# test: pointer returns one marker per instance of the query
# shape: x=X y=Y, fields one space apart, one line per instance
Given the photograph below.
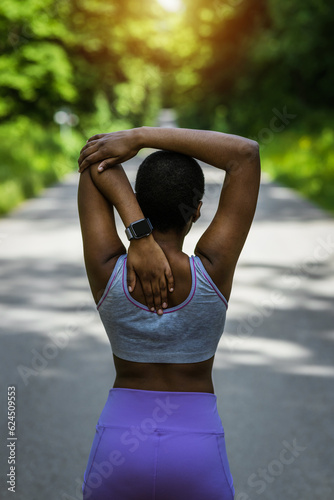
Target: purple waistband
x=178 y=411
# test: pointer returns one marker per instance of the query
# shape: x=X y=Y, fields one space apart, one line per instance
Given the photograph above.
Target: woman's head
x=169 y=187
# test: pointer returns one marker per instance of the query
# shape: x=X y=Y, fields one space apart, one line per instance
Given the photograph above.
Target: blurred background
x=260 y=68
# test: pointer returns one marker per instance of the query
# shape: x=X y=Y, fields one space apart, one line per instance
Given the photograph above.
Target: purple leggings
x=152 y=445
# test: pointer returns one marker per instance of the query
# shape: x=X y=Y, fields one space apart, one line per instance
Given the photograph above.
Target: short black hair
x=169 y=187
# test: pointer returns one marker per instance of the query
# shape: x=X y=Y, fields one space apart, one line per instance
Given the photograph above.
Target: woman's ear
x=197 y=214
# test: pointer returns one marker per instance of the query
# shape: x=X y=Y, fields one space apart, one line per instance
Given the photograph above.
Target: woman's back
x=170 y=352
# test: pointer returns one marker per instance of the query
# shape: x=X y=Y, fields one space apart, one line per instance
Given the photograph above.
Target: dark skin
x=189 y=377
x=156 y=263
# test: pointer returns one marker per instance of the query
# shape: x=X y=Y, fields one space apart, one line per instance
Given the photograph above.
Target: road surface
x=273 y=372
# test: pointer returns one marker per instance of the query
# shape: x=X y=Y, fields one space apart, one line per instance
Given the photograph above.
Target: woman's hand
x=147 y=260
x=110 y=149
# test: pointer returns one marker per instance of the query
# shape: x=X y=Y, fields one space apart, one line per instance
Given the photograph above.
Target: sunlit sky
x=171 y=5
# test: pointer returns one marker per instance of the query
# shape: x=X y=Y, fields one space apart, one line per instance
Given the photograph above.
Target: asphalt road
x=273 y=372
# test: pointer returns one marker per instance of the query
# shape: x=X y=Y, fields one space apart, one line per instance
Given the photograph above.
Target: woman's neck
x=171 y=242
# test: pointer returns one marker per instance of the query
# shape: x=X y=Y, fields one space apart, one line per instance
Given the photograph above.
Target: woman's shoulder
x=207 y=271
x=112 y=270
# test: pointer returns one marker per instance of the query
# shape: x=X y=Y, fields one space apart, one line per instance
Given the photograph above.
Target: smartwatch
x=139 y=229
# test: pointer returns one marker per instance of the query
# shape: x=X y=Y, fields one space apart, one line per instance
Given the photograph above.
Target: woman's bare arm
x=221 y=244
x=221 y=150
x=97 y=196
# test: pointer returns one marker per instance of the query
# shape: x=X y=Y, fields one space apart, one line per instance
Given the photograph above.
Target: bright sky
x=171 y=5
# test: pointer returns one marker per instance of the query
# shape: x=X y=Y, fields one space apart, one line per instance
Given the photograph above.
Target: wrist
x=145 y=240
x=139 y=135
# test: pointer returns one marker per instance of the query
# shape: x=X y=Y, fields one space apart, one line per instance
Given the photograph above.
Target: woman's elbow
x=253 y=152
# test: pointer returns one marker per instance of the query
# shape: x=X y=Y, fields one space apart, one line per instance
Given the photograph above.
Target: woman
x=159 y=435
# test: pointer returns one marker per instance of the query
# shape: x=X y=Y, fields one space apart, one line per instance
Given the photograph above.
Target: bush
x=33 y=157
x=304 y=162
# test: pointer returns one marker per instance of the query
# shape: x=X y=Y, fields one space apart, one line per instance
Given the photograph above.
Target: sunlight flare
x=171 y=5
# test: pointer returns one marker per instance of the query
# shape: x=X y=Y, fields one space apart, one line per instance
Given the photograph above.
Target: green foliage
x=58 y=54
x=33 y=157
x=97 y=59
x=36 y=75
x=264 y=54
x=264 y=57
x=222 y=64
x=304 y=162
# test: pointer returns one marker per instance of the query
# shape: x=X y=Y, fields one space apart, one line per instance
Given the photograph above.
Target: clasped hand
x=109 y=149
x=147 y=260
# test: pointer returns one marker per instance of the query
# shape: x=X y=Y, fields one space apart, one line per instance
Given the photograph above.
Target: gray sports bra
x=186 y=333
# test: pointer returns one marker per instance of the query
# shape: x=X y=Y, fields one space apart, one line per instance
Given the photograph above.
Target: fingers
x=163 y=292
x=147 y=290
x=87 y=150
x=84 y=154
x=88 y=145
x=96 y=137
x=90 y=159
x=156 y=293
x=170 y=279
x=151 y=290
x=92 y=146
x=160 y=291
x=152 y=296
x=110 y=162
x=131 y=279
x=156 y=288
x=160 y=295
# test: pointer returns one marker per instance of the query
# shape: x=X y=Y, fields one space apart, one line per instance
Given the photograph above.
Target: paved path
x=273 y=375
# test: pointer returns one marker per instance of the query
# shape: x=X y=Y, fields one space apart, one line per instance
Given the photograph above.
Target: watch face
x=141 y=228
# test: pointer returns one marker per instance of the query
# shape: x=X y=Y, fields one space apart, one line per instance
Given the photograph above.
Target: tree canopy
x=221 y=63
x=249 y=67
